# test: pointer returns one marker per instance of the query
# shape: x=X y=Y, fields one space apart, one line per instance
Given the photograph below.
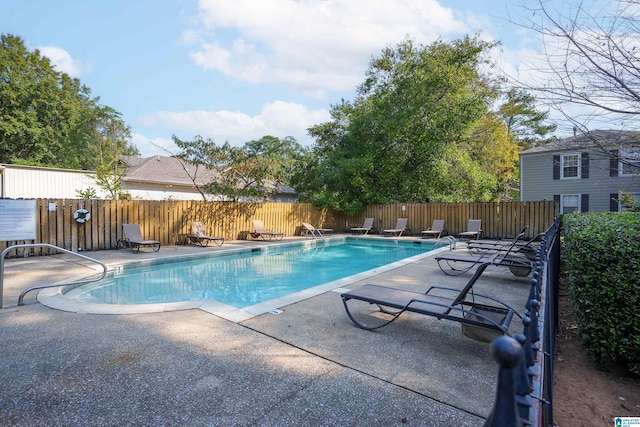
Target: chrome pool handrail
x=31 y=288
x=446 y=240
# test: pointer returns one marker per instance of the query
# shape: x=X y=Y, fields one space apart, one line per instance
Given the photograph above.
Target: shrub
x=89 y=193
x=602 y=253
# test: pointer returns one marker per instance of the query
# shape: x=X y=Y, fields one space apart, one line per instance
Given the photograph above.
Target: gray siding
x=537 y=183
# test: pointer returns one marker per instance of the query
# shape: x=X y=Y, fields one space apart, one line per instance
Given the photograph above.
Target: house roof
x=604 y=138
x=164 y=169
x=171 y=170
x=283 y=189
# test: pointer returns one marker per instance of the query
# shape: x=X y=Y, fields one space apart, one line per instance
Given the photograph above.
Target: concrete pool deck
x=308 y=365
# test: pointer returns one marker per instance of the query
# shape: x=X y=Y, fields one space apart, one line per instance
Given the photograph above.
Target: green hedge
x=602 y=254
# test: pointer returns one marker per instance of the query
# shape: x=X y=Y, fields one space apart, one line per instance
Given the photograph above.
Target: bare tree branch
x=590 y=66
x=590 y=60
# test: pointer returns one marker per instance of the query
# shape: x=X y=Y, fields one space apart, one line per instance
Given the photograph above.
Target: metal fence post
x=509 y=354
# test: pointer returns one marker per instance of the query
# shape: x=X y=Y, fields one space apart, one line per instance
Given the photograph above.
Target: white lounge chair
x=367 y=225
x=199 y=235
x=401 y=226
x=315 y=232
x=262 y=233
x=133 y=239
x=474 y=230
x=436 y=230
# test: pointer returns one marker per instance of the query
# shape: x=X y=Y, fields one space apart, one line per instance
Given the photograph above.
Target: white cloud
x=62 y=61
x=314 y=45
x=278 y=118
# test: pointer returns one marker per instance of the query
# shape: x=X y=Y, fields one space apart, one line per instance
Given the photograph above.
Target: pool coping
x=55 y=297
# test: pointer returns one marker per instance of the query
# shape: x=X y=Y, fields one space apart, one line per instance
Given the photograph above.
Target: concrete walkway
x=308 y=365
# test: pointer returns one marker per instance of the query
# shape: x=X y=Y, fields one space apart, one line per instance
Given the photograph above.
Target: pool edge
x=55 y=298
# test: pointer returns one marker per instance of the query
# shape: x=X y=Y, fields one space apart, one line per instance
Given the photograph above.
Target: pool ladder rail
x=444 y=241
x=63 y=283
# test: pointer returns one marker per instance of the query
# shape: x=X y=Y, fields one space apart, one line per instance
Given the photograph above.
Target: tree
x=252 y=172
x=50 y=119
x=495 y=151
x=629 y=202
x=280 y=155
x=406 y=135
x=524 y=127
x=101 y=140
x=30 y=120
x=591 y=69
x=524 y=122
x=592 y=59
x=109 y=175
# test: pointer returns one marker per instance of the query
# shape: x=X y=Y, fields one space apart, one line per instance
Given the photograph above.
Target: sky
x=237 y=70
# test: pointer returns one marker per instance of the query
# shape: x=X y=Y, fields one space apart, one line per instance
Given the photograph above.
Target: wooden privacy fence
x=169 y=220
x=164 y=220
x=499 y=219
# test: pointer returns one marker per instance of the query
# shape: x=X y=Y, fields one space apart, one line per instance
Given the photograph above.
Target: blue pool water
x=245 y=279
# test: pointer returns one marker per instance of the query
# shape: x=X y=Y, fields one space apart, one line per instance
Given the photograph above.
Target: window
x=569 y=203
x=570 y=166
x=629 y=162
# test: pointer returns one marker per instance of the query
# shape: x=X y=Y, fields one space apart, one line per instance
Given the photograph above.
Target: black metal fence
x=524 y=393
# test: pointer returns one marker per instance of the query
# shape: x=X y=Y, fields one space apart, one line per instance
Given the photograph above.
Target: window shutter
x=613 y=202
x=584 y=203
x=585 y=166
x=556 y=198
x=556 y=167
x=613 y=163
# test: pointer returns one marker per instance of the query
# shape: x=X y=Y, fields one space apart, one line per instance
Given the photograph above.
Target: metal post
x=509 y=354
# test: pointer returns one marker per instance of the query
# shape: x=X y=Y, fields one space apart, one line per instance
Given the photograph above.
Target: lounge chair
x=480 y=318
x=315 y=232
x=199 y=235
x=436 y=230
x=474 y=230
x=401 y=226
x=459 y=263
x=499 y=242
x=262 y=233
x=527 y=248
x=367 y=225
x=476 y=246
x=133 y=239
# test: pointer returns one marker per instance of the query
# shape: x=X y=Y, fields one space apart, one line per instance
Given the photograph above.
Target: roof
x=44 y=168
x=171 y=170
x=282 y=189
x=164 y=169
x=606 y=138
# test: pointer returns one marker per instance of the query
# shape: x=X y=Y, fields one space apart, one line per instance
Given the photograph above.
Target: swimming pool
x=246 y=282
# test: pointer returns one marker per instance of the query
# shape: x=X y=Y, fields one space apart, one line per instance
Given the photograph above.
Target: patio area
x=308 y=365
